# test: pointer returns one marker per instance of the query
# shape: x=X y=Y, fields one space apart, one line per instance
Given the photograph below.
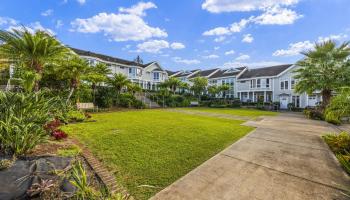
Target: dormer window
x=230 y=71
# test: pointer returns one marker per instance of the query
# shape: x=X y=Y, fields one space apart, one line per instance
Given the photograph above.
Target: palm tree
x=118 y=82
x=213 y=90
x=173 y=83
x=98 y=74
x=223 y=89
x=133 y=88
x=325 y=68
x=199 y=86
x=74 y=69
x=33 y=51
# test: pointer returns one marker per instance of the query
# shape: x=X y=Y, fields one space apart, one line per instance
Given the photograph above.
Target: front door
x=284 y=102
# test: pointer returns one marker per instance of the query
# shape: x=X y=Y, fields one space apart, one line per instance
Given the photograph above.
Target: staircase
x=145 y=98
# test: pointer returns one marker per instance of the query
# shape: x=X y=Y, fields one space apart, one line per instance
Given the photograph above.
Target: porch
x=255 y=96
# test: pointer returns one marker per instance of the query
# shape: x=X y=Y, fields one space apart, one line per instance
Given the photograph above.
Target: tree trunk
x=70 y=94
x=38 y=69
x=94 y=92
x=326 y=98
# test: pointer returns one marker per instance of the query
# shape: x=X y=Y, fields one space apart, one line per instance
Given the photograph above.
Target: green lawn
x=235 y=111
x=155 y=147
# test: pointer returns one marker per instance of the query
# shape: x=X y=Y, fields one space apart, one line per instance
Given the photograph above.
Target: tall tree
x=97 y=75
x=74 y=69
x=119 y=81
x=133 y=88
x=325 y=68
x=213 y=90
x=223 y=89
x=173 y=84
x=33 y=51
x=199 y=86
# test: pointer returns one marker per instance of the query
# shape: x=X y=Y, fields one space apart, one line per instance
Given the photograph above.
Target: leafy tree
x=74 y=69
x=33 y=51
x=339 y=106
x=213 y=90
x=223 y=89
x=325 y=68
x=133 y=88
x=118 y=82
x=184 y=86
x=173 y=84
x=199 y=86
x=97 y=75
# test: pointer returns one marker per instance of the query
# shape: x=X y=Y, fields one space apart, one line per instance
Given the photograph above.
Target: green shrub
x=313 y=113
x=104 y=97
x=339 y=107
x=339 y=143
x=76 y=116
x=23 y=116
x=344 y=160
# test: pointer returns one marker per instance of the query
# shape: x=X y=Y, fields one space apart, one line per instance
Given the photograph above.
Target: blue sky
x=187 y=34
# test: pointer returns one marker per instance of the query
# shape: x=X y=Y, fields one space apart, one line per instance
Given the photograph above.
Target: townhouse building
x=273 y=84
x=148 y=76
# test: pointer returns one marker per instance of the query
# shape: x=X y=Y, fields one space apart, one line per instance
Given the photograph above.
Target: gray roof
x=203 y=73
x=186 y=73
x=227 y=72
x=171 y=72
x=265 y=71
x=108 y=58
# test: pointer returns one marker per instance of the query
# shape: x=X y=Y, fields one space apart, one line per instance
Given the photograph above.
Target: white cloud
x=333 y=37
x=251 y=64
x=212 y=56
x=177 y=45
x=239 y=26
x=218 y=6
x=120 y=26
x=32 y=27
x=216 y=48
x=220 y=39
x=47 y=13
x=138 y=9
x=274 y=15
x=243 y=57
x=59 y=24
x=5 y=21
x=248 y=38
x=186 y=61
x=298 y=47
x=217 y=31
x=230 y=52
x=81 y=2
x=294 y=49
x=153 y=46
x=277 y=16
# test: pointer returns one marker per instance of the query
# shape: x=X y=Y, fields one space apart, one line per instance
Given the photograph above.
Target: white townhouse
x=184 y=76
x=273 y=84
x=226 y=77
x=148 y=76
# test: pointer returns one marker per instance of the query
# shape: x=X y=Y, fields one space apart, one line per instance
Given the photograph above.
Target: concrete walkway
x=284 y=158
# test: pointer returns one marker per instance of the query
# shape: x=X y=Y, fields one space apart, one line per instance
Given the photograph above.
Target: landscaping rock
x=16 y=180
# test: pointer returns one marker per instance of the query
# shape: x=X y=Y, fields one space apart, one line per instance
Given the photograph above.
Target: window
x=258 y=83
x=132 y=72
x=312 y=97
x=267 y=83
x=284 y=85
x=296 y=101
x=156 y=76
x=253 y=83
x=292 y=84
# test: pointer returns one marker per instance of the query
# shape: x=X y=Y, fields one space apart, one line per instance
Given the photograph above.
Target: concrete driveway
x=284 y=158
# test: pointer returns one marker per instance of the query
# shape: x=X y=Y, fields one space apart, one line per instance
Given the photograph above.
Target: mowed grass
x=234 y=111
x=155 y=147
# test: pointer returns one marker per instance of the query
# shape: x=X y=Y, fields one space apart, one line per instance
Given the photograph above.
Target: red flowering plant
x=59 y=134
x=52 y=128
